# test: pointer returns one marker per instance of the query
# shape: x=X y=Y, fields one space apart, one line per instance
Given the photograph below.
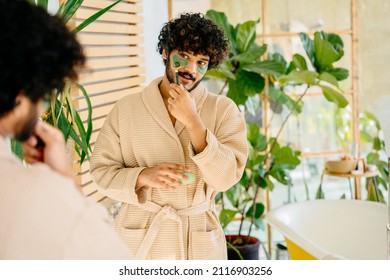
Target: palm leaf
x=67 y=9
x=43 y=3
x=94 y=17
x=89 y=119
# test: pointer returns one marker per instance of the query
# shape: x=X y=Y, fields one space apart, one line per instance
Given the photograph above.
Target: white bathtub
x=332 y=229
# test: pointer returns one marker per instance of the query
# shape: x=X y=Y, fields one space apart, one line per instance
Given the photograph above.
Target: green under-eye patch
x=202 y=69
x=177 y=61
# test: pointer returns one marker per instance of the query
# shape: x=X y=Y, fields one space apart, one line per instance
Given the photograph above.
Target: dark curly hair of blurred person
x=37 y=53
x=192 y=32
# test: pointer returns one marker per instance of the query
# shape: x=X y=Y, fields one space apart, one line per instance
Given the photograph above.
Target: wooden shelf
x=367 y=174
x=357 y=194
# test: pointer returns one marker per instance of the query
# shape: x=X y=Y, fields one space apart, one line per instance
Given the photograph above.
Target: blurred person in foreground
x=167 y=151
x=43 y=214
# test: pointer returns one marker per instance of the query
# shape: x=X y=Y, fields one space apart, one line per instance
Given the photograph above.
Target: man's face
x=27 y=125
x=191 y=68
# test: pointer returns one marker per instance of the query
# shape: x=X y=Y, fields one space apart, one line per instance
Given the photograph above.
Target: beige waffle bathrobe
x=159 y=223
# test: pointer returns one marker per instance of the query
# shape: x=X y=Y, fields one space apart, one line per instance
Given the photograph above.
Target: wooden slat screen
x=114 y=68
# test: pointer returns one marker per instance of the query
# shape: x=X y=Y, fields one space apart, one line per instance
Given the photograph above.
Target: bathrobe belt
x=164 y=213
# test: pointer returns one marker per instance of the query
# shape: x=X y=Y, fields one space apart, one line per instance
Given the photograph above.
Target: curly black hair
x=37 y=53
x=192 y=32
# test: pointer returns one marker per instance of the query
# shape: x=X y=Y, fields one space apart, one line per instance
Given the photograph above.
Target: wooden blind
x=114 y=68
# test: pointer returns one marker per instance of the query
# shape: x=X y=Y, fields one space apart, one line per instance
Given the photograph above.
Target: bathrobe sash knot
x=164 y=213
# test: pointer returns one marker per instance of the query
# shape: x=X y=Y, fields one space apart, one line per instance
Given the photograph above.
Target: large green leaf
x=329 y=78
x=339 y=73
x=226 y=216
x=299 y=77
x=256 y=162
x=222 y=72
x=235 y=93
x=94 y=17
x=247 y=83
x=246 y=35
x=377 y=144
x=255 y=138
x=335 y=40
x=253 y=132
x=280 y=175
x=278 y=58
x=325 y=52
x=299 y=62
x=269 y=183
x=259 y=210
x=333 y=96
x=253 y=54
x=286 y=158
x=269 y=67
x=244 y=181
x=308 y=45
x=221 y=20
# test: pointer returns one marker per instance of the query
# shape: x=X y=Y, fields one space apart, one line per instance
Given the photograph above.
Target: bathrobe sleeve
x=115 y=179
x=223 y=160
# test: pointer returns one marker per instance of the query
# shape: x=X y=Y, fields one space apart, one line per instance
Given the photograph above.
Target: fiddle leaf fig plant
x=242 y=71
x=245 y=74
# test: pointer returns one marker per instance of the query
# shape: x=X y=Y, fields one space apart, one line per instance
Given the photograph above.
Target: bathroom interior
x=317 y=213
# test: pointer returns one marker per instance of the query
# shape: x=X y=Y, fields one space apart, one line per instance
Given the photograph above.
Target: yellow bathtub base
x=297 y=253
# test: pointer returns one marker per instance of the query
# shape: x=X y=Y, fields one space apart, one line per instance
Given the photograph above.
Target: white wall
x=194 y=6
x=155 y=15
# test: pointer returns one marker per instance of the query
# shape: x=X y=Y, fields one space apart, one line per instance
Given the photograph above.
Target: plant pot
x=249 y=250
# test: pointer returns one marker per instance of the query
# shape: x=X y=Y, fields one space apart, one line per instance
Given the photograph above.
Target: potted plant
x=62 y=114
x=245 y=74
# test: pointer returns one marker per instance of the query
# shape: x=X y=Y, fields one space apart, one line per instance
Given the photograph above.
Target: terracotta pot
x=249 y=250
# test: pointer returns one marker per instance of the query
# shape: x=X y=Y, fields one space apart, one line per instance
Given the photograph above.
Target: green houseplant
x=245 y=73
x=62 y=114
x=373 y=146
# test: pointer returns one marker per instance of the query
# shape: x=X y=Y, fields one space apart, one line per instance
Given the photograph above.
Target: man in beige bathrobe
x=174 y=125
x=43 y=215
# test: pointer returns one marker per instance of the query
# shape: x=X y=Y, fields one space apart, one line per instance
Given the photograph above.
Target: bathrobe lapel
x=155 y=105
